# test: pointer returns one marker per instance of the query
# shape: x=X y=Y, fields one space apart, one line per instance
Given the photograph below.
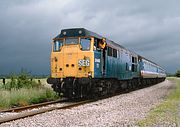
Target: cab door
x=97 y=64
x=100 y=58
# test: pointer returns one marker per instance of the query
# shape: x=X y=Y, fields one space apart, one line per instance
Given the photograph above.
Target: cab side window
x=110 y=51
x=96 y=44
x=85 y=44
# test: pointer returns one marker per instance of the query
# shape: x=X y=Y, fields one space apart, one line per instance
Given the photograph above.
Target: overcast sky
x=150 y=28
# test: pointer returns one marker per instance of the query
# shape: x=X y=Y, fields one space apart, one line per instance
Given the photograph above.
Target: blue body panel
x=119 y=67
x=97 y=64
x=124 y=65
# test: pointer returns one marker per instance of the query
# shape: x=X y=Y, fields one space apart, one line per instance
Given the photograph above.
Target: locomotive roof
x=75 y=32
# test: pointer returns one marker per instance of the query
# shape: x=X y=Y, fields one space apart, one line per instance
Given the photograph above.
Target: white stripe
x=148 y=74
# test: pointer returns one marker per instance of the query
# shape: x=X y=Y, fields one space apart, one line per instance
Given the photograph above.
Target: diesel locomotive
x=85 y=64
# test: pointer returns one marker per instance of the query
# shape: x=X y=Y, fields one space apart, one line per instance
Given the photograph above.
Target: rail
x=18 y=109
x=40 y=111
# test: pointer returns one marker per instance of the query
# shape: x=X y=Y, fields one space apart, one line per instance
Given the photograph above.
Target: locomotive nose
x=70 y=57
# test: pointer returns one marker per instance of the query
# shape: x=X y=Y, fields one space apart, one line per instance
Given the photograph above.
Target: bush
x=21 y=90
x=22 y=80
x=178 y=73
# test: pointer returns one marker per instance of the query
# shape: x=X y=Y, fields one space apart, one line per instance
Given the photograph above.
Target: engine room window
x=115 y=53
x=109 y=51
x=57 y=45
x=134 y=68
x=134 y=59
x=85 y=43
x=70 y=41
x=127 y=67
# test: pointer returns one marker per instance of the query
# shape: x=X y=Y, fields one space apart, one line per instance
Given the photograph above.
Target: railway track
x=39 y=111
x=43 y=110
x=19 y=109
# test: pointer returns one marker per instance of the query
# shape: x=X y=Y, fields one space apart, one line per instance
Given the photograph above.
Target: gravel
x=122 y=110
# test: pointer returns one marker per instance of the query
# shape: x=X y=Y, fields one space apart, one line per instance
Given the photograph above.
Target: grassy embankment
x=21 y=90
x=167 y=112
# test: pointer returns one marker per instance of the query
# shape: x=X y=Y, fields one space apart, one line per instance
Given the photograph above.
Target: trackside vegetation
x=177 y=73
x=22 y=89
x=168 y=112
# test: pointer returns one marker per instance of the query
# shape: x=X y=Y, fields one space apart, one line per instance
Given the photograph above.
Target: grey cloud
x=150 y=28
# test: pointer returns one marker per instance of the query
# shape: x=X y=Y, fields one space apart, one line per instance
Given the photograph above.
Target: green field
x=168 y=111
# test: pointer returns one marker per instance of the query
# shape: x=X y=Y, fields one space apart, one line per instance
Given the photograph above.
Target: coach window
x=57 y=45
x=85 y=44
x=109 y=51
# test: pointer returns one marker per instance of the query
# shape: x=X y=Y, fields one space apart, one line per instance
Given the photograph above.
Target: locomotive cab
x=72 y=57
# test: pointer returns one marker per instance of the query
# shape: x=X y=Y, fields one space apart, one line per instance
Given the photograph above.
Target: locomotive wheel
x=108 y=86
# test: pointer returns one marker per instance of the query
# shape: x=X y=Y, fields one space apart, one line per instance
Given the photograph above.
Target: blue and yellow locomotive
x=85 y=64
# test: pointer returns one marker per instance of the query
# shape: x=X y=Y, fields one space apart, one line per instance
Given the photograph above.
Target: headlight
x=89 y=74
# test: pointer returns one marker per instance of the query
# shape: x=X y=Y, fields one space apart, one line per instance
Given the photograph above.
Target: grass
x=20 y=90
x=167 y=111
x=24 y=96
